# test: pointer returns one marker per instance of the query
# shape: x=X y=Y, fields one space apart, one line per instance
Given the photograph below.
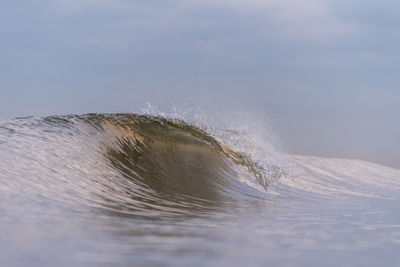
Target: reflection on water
x=128 y=189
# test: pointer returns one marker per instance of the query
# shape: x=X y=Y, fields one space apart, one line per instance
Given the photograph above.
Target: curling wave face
x=129 y=164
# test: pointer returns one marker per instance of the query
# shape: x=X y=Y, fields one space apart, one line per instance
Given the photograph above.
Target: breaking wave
x=123 y=189
x=131 y=164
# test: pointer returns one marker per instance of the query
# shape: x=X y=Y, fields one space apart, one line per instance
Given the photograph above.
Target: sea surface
x=147 y=189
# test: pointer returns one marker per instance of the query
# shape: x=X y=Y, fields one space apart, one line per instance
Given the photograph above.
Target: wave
x=122 y=188
x=131 y=164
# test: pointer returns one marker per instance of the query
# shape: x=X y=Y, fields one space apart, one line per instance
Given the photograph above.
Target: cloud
x=304 y=20
x=295 y=21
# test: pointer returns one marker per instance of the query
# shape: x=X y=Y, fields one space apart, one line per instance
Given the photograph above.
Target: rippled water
x=133 y=189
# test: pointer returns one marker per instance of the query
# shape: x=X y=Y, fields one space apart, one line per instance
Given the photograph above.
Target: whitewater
x=152 y=189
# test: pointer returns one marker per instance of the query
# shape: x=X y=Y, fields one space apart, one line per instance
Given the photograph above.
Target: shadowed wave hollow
x=169 y=165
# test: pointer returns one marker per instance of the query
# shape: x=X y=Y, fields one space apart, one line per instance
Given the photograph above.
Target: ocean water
x=140 y=189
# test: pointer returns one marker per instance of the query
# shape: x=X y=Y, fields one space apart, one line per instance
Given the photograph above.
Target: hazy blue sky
x=326 y=72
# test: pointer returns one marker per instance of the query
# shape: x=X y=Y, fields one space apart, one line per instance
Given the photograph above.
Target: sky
x=325 y=72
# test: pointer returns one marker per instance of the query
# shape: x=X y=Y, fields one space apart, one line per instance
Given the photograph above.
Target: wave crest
x=169 y=163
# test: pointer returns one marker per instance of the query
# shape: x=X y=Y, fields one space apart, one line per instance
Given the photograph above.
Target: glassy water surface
x=127 y=189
